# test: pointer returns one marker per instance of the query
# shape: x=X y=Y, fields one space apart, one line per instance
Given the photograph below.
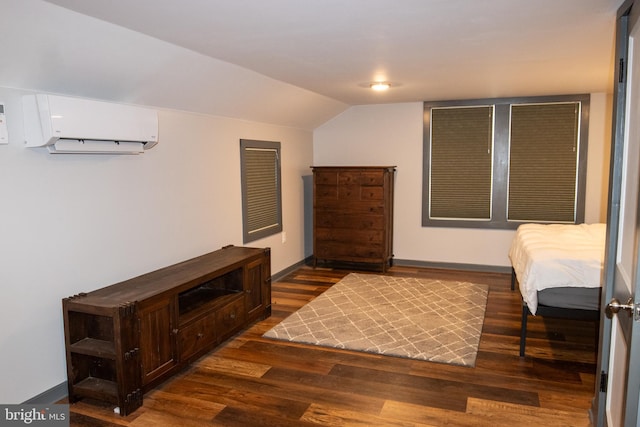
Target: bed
x=558 y=268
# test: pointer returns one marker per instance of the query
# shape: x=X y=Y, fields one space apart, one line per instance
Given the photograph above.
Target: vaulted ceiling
x=300 y=62
x=427 y=49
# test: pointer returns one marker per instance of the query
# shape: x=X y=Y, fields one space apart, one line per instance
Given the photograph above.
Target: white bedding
x=557 y=255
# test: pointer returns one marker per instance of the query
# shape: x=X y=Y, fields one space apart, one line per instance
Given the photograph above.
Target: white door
x=621 y=331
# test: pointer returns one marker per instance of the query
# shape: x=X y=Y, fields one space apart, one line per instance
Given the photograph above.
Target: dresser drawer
x=356 y=207
x=326 y=193
x=372 y=178
x=348 y=178
x=355 y=252
x=196 y=336
x=326 y=178
x=346 y=235
x=347 y=193
x=353 y=221
x=371 y=193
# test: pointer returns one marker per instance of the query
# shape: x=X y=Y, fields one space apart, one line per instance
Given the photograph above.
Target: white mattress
x=557 y=255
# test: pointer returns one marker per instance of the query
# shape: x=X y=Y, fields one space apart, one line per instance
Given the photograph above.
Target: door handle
x=615 y=306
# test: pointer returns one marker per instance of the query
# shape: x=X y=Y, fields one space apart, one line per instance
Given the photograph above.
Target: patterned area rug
x=434 y=320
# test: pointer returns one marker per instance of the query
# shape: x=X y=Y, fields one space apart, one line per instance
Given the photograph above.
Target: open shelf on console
x=95 y=376
x=94 y=347
x=199 y=298
x=98 y=388
x=91 y=334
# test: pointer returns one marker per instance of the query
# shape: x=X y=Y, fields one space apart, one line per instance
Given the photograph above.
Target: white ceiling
x=428 y=49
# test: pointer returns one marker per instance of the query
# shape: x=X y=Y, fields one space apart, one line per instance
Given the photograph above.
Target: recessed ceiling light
x=380 y=86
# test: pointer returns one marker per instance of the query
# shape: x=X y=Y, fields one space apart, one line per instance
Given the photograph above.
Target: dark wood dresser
x=124 y=339
x=353 y=214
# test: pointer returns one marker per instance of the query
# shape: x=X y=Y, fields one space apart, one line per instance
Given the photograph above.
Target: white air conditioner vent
x=75 y=125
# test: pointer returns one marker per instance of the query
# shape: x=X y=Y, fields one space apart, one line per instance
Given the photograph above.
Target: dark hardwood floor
x=251 y=381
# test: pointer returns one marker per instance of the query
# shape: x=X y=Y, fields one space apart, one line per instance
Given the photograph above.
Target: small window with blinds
x=497 y=163
x=261 y=190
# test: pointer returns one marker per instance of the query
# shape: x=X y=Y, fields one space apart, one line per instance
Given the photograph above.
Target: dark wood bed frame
x=549 y=311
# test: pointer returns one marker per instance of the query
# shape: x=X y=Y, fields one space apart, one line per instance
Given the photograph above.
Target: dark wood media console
x=124 y=339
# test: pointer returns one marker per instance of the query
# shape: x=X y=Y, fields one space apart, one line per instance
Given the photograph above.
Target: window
x=261 y=195
x=461 y=185
x=496 y=163
x=543 y=162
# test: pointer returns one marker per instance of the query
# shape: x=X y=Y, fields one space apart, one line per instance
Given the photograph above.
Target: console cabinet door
x=157 y=339
x=254 y=290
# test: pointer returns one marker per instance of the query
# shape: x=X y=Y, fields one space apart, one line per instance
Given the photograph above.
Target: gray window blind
x=262 y=183
x=543 y=157
x=461 y=162
x=262 y=212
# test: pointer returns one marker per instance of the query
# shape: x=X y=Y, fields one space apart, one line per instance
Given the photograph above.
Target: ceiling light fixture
x=380 y=86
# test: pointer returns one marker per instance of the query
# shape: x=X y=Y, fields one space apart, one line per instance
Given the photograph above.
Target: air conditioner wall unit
x=75 y=125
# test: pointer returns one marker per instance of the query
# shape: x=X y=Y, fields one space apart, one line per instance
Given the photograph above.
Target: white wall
x=391 y=134
x=74 y=223
x=600 y=118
